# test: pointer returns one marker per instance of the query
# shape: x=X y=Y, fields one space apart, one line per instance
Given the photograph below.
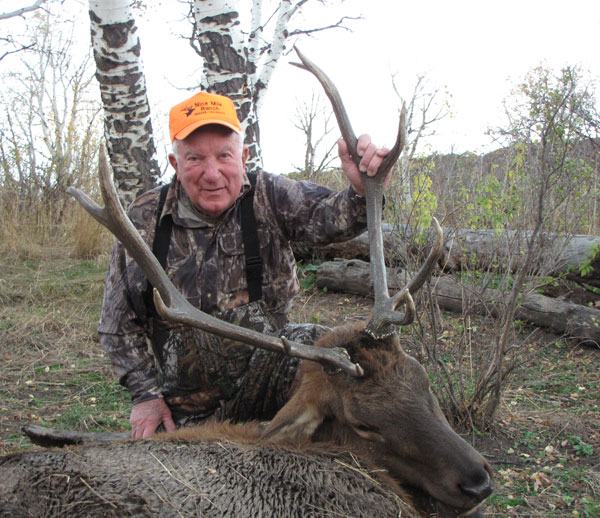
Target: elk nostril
x=481 y=490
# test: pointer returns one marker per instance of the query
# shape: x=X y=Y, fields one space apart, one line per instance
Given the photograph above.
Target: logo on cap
x=199 y=110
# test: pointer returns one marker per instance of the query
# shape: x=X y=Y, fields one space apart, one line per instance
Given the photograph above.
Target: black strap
x=164 y=228
x=251 y=244
x=160 y=246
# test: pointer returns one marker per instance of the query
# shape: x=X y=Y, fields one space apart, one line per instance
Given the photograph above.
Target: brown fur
x=359 y=439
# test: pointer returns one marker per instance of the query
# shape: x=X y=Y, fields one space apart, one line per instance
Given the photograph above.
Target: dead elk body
x=213 y=477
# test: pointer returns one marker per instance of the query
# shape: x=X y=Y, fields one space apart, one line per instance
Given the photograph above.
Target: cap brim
x=192 y=127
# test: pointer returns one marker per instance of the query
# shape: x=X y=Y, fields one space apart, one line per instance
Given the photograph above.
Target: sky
x=472 y=51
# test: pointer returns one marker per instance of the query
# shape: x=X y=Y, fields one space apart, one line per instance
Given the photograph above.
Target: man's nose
x=210 y=170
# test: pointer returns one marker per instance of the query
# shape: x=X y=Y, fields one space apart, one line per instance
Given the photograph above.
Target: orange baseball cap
x=199 y=110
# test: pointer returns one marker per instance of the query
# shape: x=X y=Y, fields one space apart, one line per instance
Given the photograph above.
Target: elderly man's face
x=210 y=166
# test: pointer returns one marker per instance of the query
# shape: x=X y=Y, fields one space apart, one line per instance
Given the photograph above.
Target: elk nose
x=480 y=489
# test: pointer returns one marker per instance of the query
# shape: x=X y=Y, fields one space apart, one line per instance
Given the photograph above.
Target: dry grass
x=53 y=368
x=33 y=235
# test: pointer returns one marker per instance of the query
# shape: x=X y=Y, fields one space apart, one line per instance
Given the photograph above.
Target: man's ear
x=173 y=162
x=245 y=151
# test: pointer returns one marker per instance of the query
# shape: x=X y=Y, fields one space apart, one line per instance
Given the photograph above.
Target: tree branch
x=19 y=12
x=337 y=25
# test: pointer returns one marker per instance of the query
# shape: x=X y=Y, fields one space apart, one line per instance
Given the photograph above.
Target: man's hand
x=371 y=159
x=147 y=416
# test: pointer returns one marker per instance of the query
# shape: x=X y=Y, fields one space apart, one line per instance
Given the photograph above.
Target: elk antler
x=384 y=310
x=171 y=304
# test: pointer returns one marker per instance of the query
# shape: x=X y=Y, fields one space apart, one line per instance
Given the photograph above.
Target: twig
x=96 y=493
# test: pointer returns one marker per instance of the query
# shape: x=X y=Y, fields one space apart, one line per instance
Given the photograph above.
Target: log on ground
x=468 y=249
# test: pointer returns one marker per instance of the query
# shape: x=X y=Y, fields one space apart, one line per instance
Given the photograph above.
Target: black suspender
x=160 y=246
x=164 y=228
x=162 y=239
x=251 y=244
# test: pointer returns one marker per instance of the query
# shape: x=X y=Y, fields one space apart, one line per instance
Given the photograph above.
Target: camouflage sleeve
x=315 y=214
x=121 y=330
x=135 y=369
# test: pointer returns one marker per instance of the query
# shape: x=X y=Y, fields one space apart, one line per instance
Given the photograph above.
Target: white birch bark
x=227 y=69
x=286 y=11
x=127 y=124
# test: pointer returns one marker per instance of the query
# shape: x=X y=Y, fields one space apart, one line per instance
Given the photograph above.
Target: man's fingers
x=148 y=431
x=371 y=155
x=363 y=143
x=169 y=424
x=372 y=159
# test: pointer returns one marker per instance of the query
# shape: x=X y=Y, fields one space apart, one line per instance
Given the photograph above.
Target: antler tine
x=342 y=116
x=384 y=314
x=171 y=304
x=415 y=284
x=434 y=255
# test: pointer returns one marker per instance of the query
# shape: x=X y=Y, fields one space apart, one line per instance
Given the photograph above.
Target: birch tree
x=127 y=123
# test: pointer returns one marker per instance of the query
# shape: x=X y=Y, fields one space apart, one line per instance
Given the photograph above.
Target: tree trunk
x=240 y=64
x=127 y=124
x=218 y=39
x=559 y=316
x=474 y=249
x=560 y=256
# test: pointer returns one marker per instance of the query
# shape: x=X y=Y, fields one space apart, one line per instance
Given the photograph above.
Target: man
x=191 y=375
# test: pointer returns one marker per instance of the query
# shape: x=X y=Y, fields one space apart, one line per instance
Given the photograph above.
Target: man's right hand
x=147 y=416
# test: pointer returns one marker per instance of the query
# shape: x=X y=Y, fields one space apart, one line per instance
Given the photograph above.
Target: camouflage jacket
x=206 y=262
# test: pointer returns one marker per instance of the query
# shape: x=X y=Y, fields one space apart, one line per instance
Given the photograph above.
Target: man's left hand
x=371 y=158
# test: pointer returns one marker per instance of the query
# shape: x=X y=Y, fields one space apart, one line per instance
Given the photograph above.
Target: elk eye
x=370 y=433
x=365 y=428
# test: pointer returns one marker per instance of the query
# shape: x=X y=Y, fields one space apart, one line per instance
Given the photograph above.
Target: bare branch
x=336 y=25
x=20 y=12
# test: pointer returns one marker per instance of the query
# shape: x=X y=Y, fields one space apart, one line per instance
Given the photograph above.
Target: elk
x=358 y=392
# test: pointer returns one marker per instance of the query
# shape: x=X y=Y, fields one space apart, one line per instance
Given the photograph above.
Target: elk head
x=390 y=416
x=390 y=413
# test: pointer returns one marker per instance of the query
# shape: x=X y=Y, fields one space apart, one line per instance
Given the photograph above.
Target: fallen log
x=473 y=249
x=559 y=316
x=467 y=249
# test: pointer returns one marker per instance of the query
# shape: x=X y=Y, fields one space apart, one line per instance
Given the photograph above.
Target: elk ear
x=301 y=415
